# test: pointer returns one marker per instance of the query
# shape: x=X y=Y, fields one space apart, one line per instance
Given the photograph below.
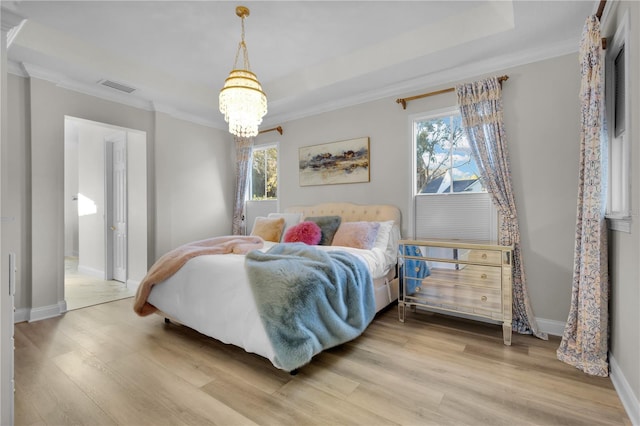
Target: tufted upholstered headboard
x=350 y=212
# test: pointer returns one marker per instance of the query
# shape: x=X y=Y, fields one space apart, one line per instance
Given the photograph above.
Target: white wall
x=138 y=227
x=194 y=182
x=16 y=198
x=187 y=164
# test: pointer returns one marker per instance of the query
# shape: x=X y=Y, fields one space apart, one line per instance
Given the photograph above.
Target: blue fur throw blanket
x=309 y=300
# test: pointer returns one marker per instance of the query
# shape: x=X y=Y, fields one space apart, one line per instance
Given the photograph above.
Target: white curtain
x=585 y=339
x=244 y=148
x=481 y=110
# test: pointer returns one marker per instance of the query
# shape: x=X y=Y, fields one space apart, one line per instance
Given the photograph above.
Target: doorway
x=105 y=205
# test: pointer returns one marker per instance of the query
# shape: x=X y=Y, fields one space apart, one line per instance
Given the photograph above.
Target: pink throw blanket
x=172 y=261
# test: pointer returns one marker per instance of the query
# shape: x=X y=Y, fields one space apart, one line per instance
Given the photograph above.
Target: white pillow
x=387 y=241
x=290 y=219
x=392 y=248
x=384 y=232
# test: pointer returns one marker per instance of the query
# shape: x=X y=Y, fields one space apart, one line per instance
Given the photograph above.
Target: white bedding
x=212 y=295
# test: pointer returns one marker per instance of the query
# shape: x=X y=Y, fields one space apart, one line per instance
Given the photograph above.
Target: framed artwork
x=334 y=163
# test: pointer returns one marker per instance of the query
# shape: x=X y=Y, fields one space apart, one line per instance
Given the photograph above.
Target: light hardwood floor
x=82 y=290
x=104 y=365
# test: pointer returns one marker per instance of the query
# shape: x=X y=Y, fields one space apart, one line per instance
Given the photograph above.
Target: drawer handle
x=417 y=269
x=483 y=276
x=418 y=289
x=484 y=255
x=483 y=298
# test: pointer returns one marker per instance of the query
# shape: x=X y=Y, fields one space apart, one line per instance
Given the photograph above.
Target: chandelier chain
x=245 y=54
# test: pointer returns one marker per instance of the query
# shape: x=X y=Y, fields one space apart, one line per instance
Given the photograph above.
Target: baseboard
x=21 y=315
x=96 y=273
x=620 y=383
x=552 y=327
x=44 y=312
x=133 y=284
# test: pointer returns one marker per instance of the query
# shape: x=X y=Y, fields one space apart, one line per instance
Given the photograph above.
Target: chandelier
x=242 y=101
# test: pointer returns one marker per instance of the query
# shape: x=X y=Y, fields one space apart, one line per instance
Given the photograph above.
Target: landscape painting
x=335 y=163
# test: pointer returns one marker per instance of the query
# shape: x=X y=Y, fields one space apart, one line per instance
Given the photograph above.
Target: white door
x=117 y=207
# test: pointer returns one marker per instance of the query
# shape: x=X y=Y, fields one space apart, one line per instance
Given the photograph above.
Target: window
x=449 y=199
x=443 y=156
x=616 y=101
x=264 y=173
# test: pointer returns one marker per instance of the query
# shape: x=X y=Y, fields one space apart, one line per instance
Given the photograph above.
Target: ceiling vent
x=117 y=86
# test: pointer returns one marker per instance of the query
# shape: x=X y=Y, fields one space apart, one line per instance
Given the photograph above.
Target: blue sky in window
x=463 y=166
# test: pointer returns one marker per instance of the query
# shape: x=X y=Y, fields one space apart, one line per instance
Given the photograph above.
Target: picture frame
x=333 y=163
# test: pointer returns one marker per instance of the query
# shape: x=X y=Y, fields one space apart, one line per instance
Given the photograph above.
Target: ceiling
x=310 y=56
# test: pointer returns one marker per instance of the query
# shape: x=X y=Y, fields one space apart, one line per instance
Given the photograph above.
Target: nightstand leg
x=401 y=311
x=506 y=333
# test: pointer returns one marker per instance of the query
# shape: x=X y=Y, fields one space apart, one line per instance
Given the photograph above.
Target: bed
x=225 y=296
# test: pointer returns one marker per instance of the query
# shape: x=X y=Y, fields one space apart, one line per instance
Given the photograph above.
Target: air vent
x=117 y=86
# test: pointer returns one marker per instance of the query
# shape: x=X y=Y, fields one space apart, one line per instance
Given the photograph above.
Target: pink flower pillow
x=304 y=232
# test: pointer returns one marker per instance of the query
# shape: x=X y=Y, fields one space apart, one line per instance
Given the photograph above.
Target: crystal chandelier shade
x=242 y=101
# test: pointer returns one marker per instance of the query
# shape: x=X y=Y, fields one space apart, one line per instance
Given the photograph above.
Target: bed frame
x=386 y=288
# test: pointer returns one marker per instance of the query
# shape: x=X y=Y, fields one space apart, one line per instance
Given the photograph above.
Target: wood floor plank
x=105 y=365
x=328 y=381
x=25 y=406
x=261 y=407
x=328 y=409
x=384 y=392
x=47 y=395
x=118 y=396
x=183 y=399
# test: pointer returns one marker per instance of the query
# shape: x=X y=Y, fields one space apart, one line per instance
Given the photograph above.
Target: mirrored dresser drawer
x=467 y=277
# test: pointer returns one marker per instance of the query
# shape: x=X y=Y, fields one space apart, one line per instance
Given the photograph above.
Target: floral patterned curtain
x=481 y=109
x=244 y=147
x=584 y=342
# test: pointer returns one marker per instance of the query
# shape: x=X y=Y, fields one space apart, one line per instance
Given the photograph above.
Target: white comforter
x=212 y=295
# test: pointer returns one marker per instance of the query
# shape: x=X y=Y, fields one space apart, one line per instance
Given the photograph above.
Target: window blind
x=252 y=209
x=456 y=216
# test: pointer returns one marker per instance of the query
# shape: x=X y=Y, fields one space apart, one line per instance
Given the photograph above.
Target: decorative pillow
x=360 y=235
x=290 y=219
x=268 y=229
x=384 y=233
x=329 y=225
x=304 y=232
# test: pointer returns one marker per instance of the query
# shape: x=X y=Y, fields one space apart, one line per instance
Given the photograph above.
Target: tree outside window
x=443 y=157
x=264 y=173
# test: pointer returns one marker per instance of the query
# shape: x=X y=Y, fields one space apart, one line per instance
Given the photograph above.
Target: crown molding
x=15 y=69
x=181 y=115
x=10 y=20
x=35 y=71
x=425 y=82
x=27 y=70
x=449 y=76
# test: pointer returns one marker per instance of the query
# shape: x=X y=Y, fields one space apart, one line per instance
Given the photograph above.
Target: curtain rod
x=279 y=129
x=599 y=13
x=403 y=101
x=601 y=9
